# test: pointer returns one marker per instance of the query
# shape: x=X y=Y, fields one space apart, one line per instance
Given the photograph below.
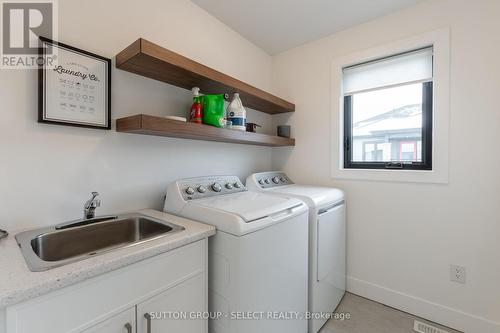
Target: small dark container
x=252 y=127
x=284 y=131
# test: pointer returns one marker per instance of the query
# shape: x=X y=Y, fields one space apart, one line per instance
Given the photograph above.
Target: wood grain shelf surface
x=150 y=60
x=159 y=126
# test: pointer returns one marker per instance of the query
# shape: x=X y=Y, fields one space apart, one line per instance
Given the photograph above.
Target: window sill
x=408 y=176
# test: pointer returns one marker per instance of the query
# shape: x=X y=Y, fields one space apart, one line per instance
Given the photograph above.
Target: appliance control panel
x=272 y=179
x=204 y=187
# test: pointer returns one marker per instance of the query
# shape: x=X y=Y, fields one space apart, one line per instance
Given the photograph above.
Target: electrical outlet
x=457 y=273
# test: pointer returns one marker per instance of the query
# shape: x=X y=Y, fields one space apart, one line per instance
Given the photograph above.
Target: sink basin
x=55 y=246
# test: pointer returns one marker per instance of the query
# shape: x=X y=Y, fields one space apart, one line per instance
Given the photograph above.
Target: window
x=388 y=112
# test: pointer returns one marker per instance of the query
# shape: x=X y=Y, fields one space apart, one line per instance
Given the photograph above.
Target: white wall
x=402 y=237
x=48 y=171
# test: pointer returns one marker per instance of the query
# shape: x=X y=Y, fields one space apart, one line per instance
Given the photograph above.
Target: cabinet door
x=173 y=310
x=123 y=322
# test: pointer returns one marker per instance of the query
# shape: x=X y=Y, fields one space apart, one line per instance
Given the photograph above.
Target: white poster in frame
x=75 y=89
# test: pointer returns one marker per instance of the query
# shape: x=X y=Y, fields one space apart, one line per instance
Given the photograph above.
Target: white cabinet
x=174 y=281
x=174 y=310
x=123 y=322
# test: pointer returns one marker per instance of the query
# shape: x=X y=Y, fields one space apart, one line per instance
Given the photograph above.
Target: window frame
x=427 y=115
x=386 y=46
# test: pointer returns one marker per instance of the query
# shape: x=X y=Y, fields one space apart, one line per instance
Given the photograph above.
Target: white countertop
x=18 y=283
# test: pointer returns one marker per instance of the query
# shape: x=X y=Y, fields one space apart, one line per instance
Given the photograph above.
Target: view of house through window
x=387 y=125
x=388 y=112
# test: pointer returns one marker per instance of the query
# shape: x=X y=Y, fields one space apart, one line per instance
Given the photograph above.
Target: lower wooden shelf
x=159 y=126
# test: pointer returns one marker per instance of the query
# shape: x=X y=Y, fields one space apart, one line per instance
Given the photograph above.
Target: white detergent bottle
x=237 y=114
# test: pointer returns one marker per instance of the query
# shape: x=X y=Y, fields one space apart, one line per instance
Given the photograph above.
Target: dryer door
x=331 y=247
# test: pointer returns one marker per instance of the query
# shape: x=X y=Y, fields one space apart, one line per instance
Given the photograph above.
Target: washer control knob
x=276 y=180
x=190 y=190
x=202 y=189
x=261 y=181
x=237 y=185
x=229 y=186
x=268 y=181
x=216 y=187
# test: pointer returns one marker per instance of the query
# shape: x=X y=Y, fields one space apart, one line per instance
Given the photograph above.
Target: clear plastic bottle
x=236 y=113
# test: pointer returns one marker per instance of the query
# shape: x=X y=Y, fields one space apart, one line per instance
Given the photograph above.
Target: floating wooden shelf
x=148 y=59
x=151 y=125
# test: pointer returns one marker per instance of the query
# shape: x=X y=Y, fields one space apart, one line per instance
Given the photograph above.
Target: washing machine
x=258 y=264
x=327 y=234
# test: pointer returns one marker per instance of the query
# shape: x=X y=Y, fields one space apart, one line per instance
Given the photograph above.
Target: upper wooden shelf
x=148 y=59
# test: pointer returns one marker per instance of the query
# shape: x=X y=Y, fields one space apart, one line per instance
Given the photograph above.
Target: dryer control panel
x=203 y=187
x=271 y=179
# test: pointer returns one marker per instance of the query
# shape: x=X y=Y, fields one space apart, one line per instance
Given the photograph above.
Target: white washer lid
x=244 y=212
x=250 y=206
x=316 y=196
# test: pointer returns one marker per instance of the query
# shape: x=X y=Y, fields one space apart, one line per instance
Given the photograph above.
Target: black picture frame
x=42 y=88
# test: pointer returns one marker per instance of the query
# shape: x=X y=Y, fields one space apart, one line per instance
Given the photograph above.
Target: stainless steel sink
x=62 y=244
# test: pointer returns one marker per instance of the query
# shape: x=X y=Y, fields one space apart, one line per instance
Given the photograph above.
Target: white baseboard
x=419 y=307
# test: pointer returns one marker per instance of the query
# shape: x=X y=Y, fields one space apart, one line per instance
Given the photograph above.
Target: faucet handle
x=93 y=202
x=90 y=206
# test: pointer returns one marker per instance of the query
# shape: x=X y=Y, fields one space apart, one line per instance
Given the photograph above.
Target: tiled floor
x=371 y=317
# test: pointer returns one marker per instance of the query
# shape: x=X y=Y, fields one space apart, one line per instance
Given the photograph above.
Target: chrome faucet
x=90 y=206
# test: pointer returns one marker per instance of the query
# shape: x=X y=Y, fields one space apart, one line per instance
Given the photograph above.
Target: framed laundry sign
x=74 y=89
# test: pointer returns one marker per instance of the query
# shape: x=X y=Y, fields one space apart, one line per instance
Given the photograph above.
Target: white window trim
x=440 y=40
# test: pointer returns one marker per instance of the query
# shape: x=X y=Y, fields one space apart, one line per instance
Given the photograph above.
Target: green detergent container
x=213 y=110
